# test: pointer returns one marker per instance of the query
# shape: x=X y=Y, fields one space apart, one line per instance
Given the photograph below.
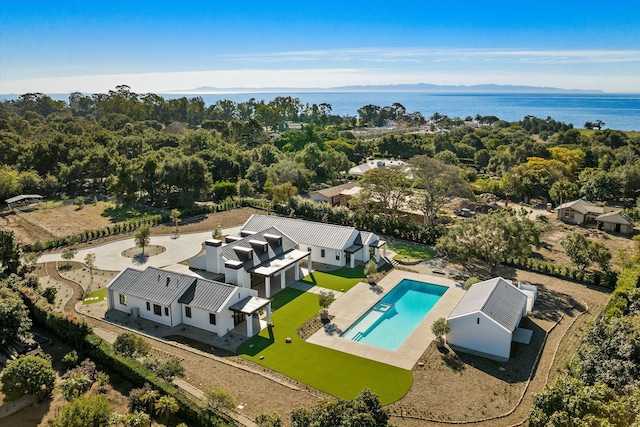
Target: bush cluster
x=605 y=279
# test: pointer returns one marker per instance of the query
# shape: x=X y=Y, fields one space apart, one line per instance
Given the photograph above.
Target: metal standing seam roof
x=310 y=233
x=152 y=284
x=335 y=190
x=257 y=257
x=207 y=294
x=496 y=298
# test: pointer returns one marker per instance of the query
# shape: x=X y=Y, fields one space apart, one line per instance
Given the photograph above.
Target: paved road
x=109 y=255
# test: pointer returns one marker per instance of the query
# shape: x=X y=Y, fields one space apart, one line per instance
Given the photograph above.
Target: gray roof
x=23 y=197
x=153 y=284
x=207 y=294
x=311 y=233
x=581 y=205
x=248 y=251
x=496 y=298
x=616 y=217
x=335 y=190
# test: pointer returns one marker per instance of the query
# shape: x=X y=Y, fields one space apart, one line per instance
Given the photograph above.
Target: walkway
x=109 y=255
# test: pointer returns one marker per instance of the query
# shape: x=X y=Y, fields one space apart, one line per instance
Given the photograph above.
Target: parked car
x=464 y=212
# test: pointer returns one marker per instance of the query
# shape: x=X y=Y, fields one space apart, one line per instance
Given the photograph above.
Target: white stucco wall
x=486 y=336
x=142 y=309
x=329 y=255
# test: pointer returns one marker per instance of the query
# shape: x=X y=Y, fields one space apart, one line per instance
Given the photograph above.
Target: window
x=337 y=256
x=123 y=299
x=148 y=306
x=157 y=310
x=478 y=320
x=187 y=312
x=166 y=311
x=308 y=248
x=322 y=253
x=212 y=318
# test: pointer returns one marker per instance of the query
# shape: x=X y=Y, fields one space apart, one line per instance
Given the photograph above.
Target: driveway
x=109 y=255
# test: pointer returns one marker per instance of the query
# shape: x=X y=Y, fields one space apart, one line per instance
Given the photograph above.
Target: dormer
x=245 y=233
x=231 y=239
x=274 y=239
x=243 y=253
x=260 y=246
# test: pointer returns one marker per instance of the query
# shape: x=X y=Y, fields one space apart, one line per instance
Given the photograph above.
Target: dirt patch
x=449 y=386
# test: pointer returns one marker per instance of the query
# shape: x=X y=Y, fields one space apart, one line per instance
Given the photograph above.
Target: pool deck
x=353 y=304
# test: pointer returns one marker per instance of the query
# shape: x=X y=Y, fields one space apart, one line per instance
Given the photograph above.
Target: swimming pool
x=392 y=319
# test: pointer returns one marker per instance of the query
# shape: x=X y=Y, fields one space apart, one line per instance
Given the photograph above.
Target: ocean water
x=617 y=111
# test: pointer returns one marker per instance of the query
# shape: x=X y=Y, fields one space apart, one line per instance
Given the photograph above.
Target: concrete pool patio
x=354 y=303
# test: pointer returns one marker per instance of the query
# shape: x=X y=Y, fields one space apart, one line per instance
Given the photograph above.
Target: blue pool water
x=392 y=319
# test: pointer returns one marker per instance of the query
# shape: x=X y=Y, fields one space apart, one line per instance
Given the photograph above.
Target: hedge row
x=77 y=333
x=628 y=280
x=137 y=373
x=606 y=279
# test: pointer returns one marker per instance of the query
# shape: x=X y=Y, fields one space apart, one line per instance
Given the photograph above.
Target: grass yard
x=340 y=280
x=412 y=251
x=95 y=296
x=339 y=374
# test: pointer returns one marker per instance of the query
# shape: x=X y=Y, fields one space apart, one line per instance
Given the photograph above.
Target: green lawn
x=340 y=280
x=412 y=251
x=95 y=296
x=339 y=374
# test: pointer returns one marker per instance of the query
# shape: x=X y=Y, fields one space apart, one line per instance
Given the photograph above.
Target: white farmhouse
x=171 y=299
x=486 y=318
x=336 y=245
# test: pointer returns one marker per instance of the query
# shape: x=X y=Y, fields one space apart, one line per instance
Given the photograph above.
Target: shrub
x=170 y=369
x=132 y=345
x=85 y=411
x=28 y=375
x=75 y=386
x=70 y=359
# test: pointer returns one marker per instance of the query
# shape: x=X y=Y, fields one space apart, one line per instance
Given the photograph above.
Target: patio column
x=384 y=250
x=297 y=271
x=352 y=262
x=249 y=320
x=283 y=279
x=309 y=262
x=269 y=314
x=267 y=286
x=377 y=253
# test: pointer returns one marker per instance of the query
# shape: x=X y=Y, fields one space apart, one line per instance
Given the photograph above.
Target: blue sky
x=60 y=46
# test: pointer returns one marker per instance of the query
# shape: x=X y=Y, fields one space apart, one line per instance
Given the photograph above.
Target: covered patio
x=247 y=308
x=278 y=267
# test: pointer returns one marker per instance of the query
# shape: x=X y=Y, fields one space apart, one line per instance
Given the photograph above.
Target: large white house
x=171 y=299
x=336 y=245
x=265 y=256
x=486 y=318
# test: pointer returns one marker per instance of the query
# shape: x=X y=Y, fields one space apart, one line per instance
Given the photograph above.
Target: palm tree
x=165 y=406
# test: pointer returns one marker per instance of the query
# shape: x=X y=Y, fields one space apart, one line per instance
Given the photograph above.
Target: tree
x=135 y=419
x=79 y=202
x=14 y=315
x=245 y=188
x=600 y=185
x=170 y=368
x=370 y=268
x=440 y=328
x=9 y=253
x=90 y=411
x=166 y=406
x=28 y=375
x=68 y=254
x=142 y=237
x=438 y=181
x=563 y=190
x=218 y=399
x=364 y=410
x=325 y=298
x=175 y=218
x=492 y=238
x=268 y=419
x=283 y=193
x=90 y=262
x=388 y=187
x=583 y=251
x=132 y=345
x=589 y=125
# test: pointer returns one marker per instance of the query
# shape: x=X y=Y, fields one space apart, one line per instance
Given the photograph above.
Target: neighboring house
x=23 y=200
x=615 y=222
x=253 y=258
x=486 y=318
x=374 y=164
x=171 y=299
x=582 y=211
x=331 y=244
x=338 y=195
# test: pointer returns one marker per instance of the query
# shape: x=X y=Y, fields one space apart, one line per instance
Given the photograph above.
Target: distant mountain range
x=419 y=87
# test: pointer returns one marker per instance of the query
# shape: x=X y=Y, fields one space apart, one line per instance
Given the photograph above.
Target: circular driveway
x=109 y=255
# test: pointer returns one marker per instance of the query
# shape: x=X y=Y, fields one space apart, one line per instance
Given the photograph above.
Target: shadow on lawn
x=256 y=344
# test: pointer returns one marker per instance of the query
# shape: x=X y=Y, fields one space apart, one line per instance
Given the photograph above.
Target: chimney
x=213 y=254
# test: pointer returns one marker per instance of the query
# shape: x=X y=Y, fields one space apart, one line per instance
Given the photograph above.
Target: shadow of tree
x=332 y=329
